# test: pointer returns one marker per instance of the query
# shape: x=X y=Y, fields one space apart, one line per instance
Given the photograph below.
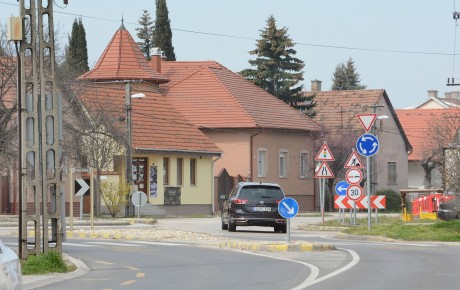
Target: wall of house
x=237 y=159
x=417 y=176
x=391 y=149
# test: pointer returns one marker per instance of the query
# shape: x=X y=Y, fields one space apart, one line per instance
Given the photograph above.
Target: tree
x=115 y=196
x=346 y=77
x=8 y=103
x=145 y=33
x=77 y=52
x=162 y=36
x=277 y=70
x=441 y=134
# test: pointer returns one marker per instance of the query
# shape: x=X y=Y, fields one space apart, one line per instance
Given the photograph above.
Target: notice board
x=172 y=196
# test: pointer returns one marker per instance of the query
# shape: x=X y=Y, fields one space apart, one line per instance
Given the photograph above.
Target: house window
x=261 y=162
x=392 y=172
x=304 y=164
x=165 y=170
x=283 y=163
x=180 y=170
x=192 y=171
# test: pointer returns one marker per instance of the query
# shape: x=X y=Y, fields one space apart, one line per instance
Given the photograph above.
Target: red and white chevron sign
x=342 y=201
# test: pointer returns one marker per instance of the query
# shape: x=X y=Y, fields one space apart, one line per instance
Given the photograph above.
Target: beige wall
x=237 y=159
x=200 y=193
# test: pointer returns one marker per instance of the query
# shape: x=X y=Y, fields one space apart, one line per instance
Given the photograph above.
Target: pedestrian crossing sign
x=324 y=154
x=354 y=161
x=324 y=171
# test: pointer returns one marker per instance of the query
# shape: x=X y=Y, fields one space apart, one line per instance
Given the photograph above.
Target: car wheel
x=224 y=225
x=284 y=229
x=231 y=226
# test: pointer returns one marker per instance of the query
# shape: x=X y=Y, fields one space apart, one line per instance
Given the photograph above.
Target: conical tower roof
x=122 y=59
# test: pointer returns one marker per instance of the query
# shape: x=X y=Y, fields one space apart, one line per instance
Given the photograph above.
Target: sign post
x=288 y=208
x=139 y=199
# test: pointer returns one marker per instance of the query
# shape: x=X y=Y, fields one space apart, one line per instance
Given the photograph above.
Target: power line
x=254 y=39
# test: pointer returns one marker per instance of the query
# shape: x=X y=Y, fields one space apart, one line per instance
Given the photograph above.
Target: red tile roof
x=123 y=60
x=418 y=124
x=212 y=96
x=338 y=109
x=156 y=124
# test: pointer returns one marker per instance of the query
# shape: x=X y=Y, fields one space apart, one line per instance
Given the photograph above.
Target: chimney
x=432 y=93
x=316 y=86
x=156 y=54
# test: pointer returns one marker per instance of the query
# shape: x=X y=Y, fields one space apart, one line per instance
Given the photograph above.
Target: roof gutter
x=172 y=151
x=251 y=153
x=213 y=209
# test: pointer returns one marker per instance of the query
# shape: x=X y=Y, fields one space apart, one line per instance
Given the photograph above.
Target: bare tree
x=8 y=100
x=441 y=134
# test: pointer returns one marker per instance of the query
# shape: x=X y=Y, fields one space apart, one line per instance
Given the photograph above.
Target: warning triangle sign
x=367 y=120
x=354 y=161
x=324 y=154
x=324 y=171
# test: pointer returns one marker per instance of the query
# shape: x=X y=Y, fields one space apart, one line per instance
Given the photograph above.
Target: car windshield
x=261 y=192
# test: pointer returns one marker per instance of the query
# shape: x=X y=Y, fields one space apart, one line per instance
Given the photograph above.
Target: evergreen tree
x=346 y=77
x=277 y=70
x=162 y=35
x=76 y=60
x=145 y=33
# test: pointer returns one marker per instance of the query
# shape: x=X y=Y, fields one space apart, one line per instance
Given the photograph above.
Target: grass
x=50 y=262
x=395 y=228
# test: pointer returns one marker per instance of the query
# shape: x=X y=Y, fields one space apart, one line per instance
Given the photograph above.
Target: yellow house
x=172 y=160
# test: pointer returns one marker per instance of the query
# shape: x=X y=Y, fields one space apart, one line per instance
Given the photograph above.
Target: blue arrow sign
x=341 y=187
x=288 y=207
x=367 y=145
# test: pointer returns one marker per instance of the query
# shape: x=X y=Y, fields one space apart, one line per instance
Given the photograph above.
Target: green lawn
x=395 y=228
x=50 y=262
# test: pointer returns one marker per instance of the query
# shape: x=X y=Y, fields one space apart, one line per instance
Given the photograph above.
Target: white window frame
x=283 y=163
x=262 y=162
x=304 y=164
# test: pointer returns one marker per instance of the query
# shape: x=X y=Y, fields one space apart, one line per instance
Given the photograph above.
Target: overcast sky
x=405 y=47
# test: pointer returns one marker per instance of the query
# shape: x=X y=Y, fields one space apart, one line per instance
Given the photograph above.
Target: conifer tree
x=76 y=59
x=277 y=70
x=162 y=36
x=346 y=77
x=145 y=33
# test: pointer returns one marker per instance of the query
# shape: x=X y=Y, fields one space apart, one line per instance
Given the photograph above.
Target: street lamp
x=129 y=167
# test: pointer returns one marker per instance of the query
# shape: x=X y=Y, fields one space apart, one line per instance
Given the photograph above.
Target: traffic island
x=276 y=247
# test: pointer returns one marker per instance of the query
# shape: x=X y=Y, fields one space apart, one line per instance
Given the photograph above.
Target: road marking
x=113 y=244
x=354 y=261
x=132 y=268
x=156 y=243
x=78 y=245
x=140 y=275
x=104 y=262
x=129 y=282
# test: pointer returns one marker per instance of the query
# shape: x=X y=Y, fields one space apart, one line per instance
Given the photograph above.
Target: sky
x=405 y=47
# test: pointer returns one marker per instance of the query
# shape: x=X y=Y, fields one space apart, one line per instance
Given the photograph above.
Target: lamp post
x=129 y=167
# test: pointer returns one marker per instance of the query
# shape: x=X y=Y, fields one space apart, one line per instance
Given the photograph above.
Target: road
x=357 y=264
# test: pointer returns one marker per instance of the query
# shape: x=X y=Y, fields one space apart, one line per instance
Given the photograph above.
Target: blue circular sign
x=341 y=187
x=367 y=145
x=288 y=207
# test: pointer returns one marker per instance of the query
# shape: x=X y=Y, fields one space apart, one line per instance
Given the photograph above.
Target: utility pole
x=39 y=171
x=451 y=81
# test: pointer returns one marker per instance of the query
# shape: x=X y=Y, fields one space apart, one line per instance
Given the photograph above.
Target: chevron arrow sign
x=342 y=201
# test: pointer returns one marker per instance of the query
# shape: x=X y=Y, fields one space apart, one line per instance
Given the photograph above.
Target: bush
x=393 y=199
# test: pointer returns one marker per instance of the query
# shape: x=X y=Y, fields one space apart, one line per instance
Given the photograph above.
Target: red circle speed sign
x=354 y=192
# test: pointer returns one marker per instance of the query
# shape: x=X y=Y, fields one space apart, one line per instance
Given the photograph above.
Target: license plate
x=262 y=208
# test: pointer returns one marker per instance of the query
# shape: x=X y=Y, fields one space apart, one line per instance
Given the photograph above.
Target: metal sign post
x=288 y=208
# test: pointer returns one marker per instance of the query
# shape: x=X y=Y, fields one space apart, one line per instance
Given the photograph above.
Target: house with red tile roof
x=262 y=138
x=337 y=112
x=450 y=100
x=172 y=159
x=426 y=130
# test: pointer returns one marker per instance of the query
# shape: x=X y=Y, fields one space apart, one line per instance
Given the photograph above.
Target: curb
x=94 y=235
x=276 y=247
x=320 y=228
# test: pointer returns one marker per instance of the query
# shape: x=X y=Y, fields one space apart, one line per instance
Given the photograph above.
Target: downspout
x=212 y=183
x=251 y=152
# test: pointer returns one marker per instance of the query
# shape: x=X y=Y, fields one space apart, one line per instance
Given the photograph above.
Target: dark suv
x=253 y=204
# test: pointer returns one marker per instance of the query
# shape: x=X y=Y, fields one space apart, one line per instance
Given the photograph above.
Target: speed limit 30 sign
x=354 y=192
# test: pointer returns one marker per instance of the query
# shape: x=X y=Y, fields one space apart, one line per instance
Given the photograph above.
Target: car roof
x=252 y=183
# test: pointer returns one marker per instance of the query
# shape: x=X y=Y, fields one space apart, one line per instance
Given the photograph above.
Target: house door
x=140 y=174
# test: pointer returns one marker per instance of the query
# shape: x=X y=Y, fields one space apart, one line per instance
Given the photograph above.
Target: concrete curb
x=320 y=228
x=276 y=247
x=93 y=235
x=38 y=281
